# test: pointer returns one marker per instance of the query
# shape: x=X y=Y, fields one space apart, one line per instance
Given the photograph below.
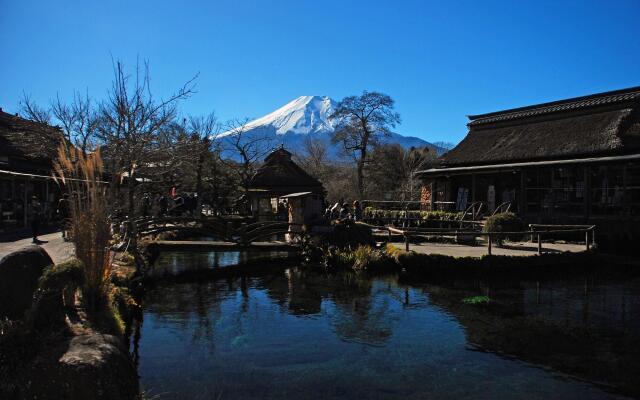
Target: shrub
x=505 y=222
x=365 y=257
x=58 y=277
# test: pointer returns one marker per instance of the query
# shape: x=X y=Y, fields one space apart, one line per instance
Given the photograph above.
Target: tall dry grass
x=81 y=176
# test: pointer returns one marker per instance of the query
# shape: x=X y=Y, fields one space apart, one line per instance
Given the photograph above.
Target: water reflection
x=177 y=262
x=298 y=334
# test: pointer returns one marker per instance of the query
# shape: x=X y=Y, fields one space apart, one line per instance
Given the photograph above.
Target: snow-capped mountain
x=308 y=117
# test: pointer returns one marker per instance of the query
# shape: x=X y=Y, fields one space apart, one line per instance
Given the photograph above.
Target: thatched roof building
x=27 y=152
x=27 y=146
x=280 y=181
x=575 y=160
x=279 y=175
x=596 y=125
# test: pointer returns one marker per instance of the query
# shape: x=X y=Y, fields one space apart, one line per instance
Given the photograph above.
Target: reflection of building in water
x=586 y=331
x=357 y=314
x=589 y=304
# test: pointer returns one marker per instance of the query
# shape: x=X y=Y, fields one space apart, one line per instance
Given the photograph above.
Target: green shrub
x=57 y=277
x=505 y=222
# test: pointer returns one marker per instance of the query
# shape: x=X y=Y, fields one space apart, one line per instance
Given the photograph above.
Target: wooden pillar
x=434 y=188
x=473 y=188
x=587 y=191
x=25 y=205
x=489 y=244
x=625 y=200
x=522 y=203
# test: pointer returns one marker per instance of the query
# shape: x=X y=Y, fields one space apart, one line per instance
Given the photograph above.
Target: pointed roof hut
x=280 y=176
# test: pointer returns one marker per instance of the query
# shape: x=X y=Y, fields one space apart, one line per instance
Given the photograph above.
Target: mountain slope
x=308 y=117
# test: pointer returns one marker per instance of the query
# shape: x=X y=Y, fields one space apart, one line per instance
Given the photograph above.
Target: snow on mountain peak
x=306 y=114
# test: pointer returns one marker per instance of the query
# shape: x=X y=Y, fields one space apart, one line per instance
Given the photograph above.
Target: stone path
x=521 y=249
x=58 y=249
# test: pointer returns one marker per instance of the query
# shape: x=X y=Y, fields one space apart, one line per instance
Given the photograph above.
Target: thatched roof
x=280 y=175
x=29 y=146
x=600 y=124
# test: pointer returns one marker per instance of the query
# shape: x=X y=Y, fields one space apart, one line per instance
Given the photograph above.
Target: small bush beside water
x=505 y=222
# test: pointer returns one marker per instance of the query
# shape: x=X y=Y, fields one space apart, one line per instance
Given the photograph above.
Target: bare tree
x=243 y=150
x=79 y=120
x=204 y=131
x=314 y=157
x=362 y=121
x=33 y=111
x=131 y=124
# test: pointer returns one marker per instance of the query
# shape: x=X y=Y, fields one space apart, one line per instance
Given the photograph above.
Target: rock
x=19 y=274
x=94 y=367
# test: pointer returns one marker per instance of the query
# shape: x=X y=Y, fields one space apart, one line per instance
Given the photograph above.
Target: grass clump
x=81 y=176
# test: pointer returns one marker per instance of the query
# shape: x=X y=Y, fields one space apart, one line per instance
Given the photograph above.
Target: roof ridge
x=558 y=105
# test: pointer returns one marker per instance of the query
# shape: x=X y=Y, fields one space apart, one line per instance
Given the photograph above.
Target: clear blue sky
x=439 y=61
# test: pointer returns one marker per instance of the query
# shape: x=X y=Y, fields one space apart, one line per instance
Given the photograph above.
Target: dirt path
x=58 y=249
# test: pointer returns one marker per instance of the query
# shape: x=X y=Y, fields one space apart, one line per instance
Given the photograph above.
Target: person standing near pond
x=62 y=212
x=357 y=211
x=35 y=216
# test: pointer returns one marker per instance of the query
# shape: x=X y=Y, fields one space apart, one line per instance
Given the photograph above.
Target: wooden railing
x=535 y=231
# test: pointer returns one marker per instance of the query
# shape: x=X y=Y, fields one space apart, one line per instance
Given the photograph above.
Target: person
x=62 y=212
x=35 y=215
x=344 y=211
x=335 y=211
x=163 y=202
x=357 y=211
x=146 y=205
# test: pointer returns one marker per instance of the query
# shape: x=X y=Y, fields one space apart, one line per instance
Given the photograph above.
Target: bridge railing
x=219 y=228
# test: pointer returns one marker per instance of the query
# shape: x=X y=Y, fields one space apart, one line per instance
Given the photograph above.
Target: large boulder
x=91 y=366
x=19 y=274
x=97 y=366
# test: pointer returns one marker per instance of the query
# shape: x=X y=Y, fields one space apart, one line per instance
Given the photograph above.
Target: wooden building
x=27 y=150
x=569 y=161
x=278 y=178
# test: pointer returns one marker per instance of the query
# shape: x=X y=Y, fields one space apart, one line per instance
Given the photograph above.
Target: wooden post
x=531 y=230
x=489 y=244
x=586 y=239
x=406 y=242
x=539 y=244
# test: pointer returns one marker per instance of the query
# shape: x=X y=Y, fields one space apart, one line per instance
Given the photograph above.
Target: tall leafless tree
x=362 y=121
x=132 y=120
x=244 y=149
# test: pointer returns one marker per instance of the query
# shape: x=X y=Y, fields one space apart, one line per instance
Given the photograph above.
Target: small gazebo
x=274 y=183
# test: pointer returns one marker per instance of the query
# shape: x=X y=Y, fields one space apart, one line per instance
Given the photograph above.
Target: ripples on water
x=303 y=335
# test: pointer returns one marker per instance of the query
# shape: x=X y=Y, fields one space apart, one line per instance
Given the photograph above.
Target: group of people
x=342 y=210
x=179 y=205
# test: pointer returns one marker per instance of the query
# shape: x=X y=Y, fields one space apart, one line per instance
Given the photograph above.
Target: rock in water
x=19 y=274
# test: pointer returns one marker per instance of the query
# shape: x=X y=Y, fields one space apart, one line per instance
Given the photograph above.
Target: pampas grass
x=81 y=175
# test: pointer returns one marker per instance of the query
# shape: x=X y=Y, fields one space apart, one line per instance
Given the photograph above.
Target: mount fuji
x=307 y=117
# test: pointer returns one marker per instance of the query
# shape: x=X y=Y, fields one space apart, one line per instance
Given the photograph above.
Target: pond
x=301 y=334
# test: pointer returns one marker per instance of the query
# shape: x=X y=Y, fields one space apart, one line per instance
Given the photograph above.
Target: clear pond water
x=303 y=335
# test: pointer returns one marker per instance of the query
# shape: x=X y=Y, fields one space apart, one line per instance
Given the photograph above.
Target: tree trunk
x=360 y=172
x=131 y=226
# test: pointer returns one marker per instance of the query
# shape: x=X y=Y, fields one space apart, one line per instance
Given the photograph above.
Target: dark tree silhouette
x=362 y=121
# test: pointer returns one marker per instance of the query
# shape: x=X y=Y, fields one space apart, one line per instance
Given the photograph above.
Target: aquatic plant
x=476 y=300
